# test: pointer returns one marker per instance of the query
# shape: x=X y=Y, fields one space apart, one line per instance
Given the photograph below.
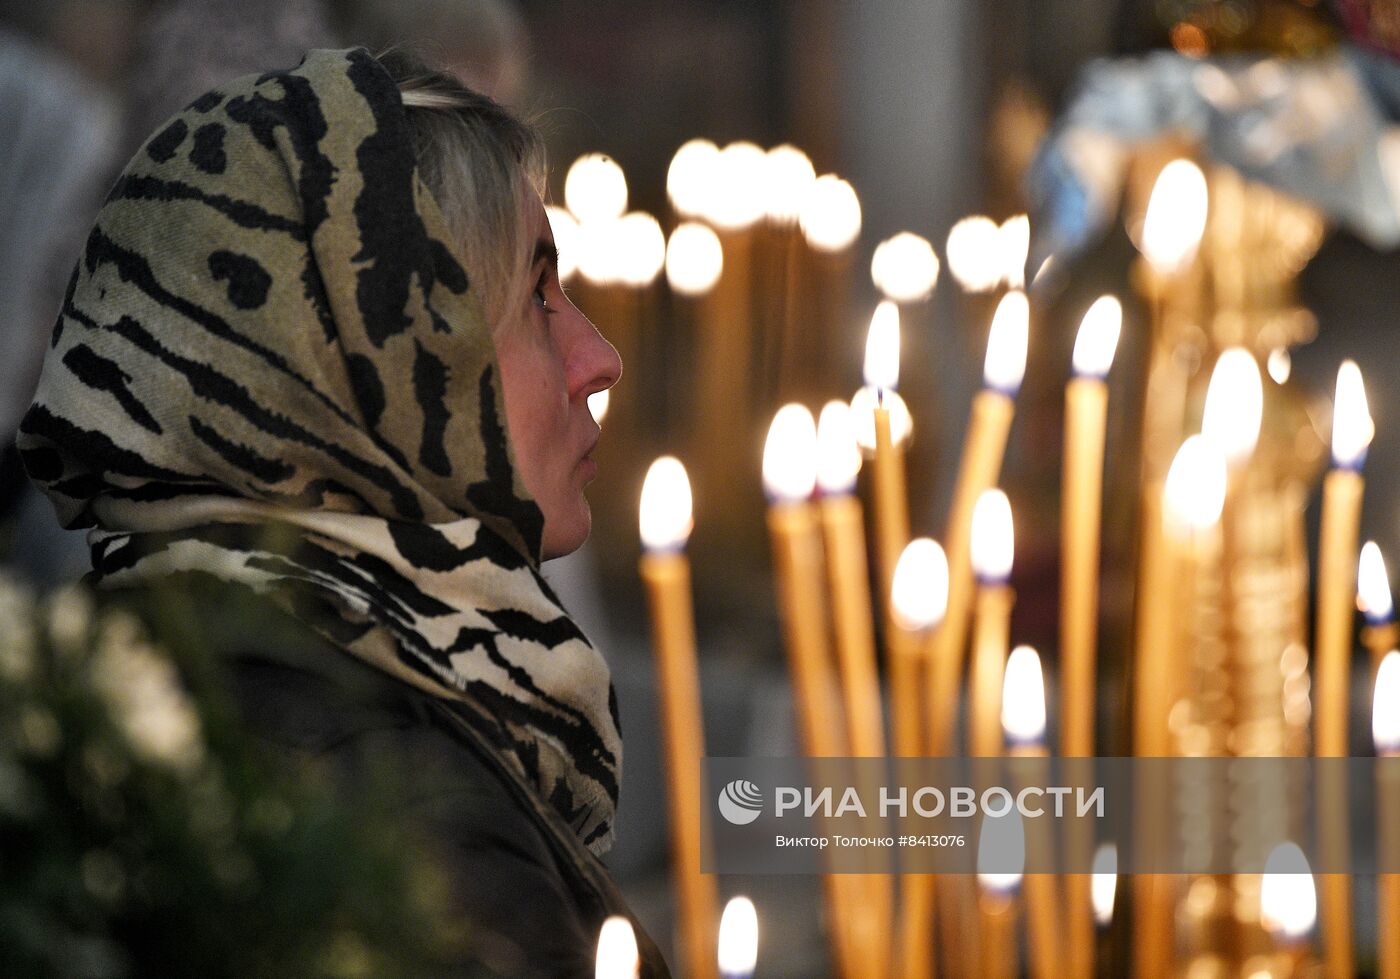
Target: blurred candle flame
x=1001 y=842
x=665 y=512
x=1280 y=365
x=973 y=256
x=1195 y=487
x=1023 y=698
x=1288 y=895
x=598 y=403
x=993 y=537
x=738 y=938
x=689 y=180
x=595 y=188
x=1014 y=244
x=1234 y=406
x=694 y=259
x=1176 y=217
x=830 y=214
x=617 y=950
x=905 y=268
x=1103 y=886
x=1373 y=584
x=1352 y=428
x=1385 y=706
x=737 y=199
x=838 y=455
x=790 y=455
x=788 y=176
x=919 y=591
x=565 y=229
x=1005 y=366
x=643 y=249
x=882 y=348
x=1097 y=340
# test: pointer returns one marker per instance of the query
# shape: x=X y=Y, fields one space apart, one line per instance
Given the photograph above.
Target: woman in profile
x=318 y=394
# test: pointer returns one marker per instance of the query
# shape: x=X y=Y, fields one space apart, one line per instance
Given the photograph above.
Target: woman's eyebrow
x=545 y=251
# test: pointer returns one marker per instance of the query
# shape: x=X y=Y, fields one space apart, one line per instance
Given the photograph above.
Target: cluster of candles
x=618 y=957
x=939 y=603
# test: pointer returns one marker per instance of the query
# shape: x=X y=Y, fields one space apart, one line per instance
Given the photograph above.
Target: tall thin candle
x=665 y=527
x=1385 y=733
x=993 y=545
x=992 y=410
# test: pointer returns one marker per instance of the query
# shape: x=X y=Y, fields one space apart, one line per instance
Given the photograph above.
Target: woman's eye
x=540 y=299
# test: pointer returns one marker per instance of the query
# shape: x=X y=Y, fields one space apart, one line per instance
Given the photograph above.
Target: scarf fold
x=271 y=366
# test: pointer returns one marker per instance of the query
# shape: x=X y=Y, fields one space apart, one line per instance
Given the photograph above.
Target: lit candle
x=788 y=178
x=789 y=478
x=993 y=546
x=1377 y=605
x=1001 y=844
x=665 y=519
x=689 y=179
x=1081 y=504
x=595 y=188
x=1175 y=218
x=973 y=256
x=985 y=444
x=738 y=939
x=891 y=503
x=1234 y=407
x=1288 y=905
x=838 y=462
x=1086 y=414
x=617 y=950
x=918 y=601
x=1336 y=590
x=1023 y=723
x=1013 y=246
x=1385 y=732
x=1104 y=884
x=830 y=216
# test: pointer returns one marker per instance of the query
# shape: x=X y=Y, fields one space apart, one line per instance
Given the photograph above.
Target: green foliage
x=142 y=835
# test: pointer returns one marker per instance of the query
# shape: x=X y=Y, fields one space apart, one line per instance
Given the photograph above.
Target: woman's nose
x=597 y=361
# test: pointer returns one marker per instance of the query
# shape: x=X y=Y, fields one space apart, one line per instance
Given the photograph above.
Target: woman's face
x=552 y=358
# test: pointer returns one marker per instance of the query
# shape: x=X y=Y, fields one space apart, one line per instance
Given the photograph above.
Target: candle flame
x=737 y=200
x=863 y=404
x=617 y=950
x=838 y=455
x=690 y=177
x=1280 y=365
x=1014 y=244
x=665 y=512
x=1234 y=405
x=1023 y=697
x=602 y=251
x=598 y=403
x=1097 y=340
x=643 y=249
x=993 y=537
x=790 y=455
x=830 y=215
x=1005 y=365
x=694 y=259
x=565 y=229
x=1385 y=706
x=1373 y=584
x=1001 y=844
x=905 y=268
x=1352 y=427
x=1288 y=895
x=1103 y=886
x=738 y=937
x=882 y=348
x=973 y=257
x=789 y=176
x=1195 y=489
x=595 y=188
x=1176 y=217
x=919 y=592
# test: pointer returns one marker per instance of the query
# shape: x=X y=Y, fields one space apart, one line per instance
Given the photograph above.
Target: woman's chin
x=564 y=535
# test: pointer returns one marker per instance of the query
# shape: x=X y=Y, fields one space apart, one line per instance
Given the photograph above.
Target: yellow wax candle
x=789 y=477
x=1086 y=415
x=891 y=500
x=665 y=522
x=1000 y=841
x=993 y=544
x=1336 y=589
x=1373 y=597
x=1023 y=723
x=1385 y=734
x=983 y=449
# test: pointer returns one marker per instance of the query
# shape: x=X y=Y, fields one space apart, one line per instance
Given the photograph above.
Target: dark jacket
x=533 y=892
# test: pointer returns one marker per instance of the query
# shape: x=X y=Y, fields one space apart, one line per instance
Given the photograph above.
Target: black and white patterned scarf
x=271 y=366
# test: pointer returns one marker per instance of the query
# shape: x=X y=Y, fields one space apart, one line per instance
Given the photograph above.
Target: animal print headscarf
x=271 y=366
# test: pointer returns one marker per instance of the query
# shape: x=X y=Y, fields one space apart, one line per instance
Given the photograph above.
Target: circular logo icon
x=740 y=802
